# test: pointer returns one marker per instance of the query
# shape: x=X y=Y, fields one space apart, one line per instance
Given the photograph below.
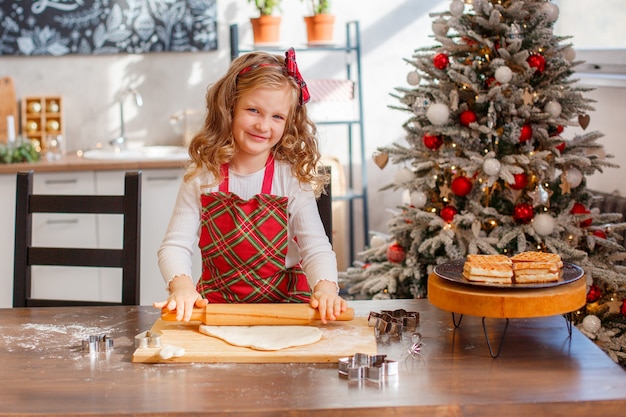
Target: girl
x=249 y=195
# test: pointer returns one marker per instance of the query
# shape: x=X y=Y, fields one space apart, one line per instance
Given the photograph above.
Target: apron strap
x=267 y=177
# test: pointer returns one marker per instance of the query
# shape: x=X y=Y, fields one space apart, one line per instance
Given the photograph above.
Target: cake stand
x=449 y=291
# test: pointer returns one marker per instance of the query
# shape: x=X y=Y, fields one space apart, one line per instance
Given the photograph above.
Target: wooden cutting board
x=339 y=339
x=8 y=106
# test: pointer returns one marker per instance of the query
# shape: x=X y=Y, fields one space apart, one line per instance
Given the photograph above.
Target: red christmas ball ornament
x=432 y=142
x=447 y=213
x=395 y=253
x=489 y=82
x=526 y=133
x=461 y=186
x=599 y=233
x=523 y=213
x=466 y=117
x=593 y=294
x=555 y=130
x=622 y=309
x=581 y=209
x=441 y=61
x=469 y=41
x=521 y=181
x=537 y=62
x=561 y=147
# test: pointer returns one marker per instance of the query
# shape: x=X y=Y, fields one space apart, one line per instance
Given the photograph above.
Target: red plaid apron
x=244 y=245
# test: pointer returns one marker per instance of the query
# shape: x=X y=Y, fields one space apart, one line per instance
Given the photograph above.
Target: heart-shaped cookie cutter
x=148 y=339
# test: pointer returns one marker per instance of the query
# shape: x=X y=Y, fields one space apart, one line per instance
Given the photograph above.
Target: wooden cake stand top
x=483 y=301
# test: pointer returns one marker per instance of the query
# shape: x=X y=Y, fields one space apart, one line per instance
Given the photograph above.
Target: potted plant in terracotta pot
x=266 y=27
x=320 y=24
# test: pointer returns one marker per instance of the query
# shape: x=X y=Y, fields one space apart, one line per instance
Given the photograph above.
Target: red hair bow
x=292 y=70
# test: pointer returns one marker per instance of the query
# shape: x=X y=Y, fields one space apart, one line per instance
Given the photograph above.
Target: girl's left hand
x=327 y=301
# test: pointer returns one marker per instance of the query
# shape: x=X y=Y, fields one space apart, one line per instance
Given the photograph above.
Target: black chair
x=26 y=255
x=325 y=206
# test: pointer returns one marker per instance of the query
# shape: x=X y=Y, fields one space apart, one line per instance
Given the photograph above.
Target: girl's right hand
x=183 y=298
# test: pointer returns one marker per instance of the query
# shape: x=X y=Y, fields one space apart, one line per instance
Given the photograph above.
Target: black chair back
x=27 y=255
x=325 y=206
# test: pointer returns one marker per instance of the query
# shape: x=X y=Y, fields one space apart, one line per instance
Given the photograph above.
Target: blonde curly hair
x=214 y=145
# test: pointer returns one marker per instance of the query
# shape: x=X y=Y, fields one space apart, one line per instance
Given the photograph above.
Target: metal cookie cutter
x=393 y=322
x=362 y=366
x=97 y=343
x=148 y=339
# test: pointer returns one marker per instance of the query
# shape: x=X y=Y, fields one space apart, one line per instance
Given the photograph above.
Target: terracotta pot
x=266 y=29
x=319 y=28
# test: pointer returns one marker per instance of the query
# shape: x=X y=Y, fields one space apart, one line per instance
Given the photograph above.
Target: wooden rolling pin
x=255 y=314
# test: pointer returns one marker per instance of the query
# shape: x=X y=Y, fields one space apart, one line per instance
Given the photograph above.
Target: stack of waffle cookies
x=530 y=267
x=523 y=268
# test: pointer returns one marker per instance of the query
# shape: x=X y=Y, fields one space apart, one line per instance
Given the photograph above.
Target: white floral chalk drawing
x=99 y=27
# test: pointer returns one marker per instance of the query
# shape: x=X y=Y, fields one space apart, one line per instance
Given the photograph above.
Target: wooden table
x=542 y=371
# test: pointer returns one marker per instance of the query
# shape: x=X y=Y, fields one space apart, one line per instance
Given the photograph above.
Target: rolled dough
x=264 y=337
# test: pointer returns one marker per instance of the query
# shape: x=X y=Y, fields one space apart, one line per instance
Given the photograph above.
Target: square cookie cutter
x=97 y=343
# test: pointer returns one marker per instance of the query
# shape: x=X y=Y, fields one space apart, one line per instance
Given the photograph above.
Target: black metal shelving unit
x=355 y=132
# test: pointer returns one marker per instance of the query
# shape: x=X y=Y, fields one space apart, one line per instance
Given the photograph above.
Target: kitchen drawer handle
x=163 y=178
x=62 y=181
x=61 y=221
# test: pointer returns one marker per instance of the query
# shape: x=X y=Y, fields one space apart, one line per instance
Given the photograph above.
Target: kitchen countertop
x=77 y=163
x=541 y=371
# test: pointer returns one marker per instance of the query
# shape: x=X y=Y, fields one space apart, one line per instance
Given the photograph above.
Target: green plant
x=266 y=7
x=22 y=152
x=320 y=6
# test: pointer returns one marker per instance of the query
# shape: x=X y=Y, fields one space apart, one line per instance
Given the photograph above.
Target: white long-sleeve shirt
x=313 y=249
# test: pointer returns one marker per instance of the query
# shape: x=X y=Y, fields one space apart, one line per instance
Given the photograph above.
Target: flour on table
x=264 y=337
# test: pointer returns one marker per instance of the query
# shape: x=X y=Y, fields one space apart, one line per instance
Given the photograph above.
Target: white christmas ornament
x=403 y=176
x=569 y=53
x=491 y=167
x=418 y=199
x=574 y=177
x=413 y=78
x=503 y=74
x=551 y=11
x=543 y=224
x=456 y=8
x=440 y=27
x=377 y=241
x=553 y=108
x=438 y=113
x=592 y=323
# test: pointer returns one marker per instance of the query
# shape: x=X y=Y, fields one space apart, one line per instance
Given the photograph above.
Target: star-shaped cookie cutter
x=393 y=322
x=362 y=366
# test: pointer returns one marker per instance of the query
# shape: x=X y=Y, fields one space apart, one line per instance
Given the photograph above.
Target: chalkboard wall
x=97 y=27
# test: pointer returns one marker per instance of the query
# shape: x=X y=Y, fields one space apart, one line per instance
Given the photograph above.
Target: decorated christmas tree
x=489 y=166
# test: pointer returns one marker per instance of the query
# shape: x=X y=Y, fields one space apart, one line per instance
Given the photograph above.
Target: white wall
x=172 y=81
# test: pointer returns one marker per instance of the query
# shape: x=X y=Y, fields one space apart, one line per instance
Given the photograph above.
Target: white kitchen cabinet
x=7 y=238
